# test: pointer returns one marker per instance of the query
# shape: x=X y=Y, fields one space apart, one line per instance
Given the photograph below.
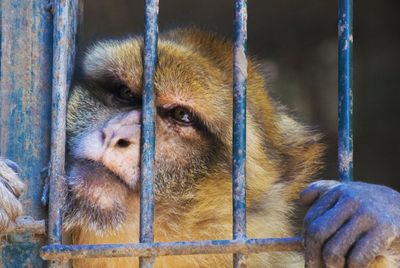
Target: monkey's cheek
x=102 y=193
x=125 y=164
x=131 y=177
x=95 y=183
x=89 y=146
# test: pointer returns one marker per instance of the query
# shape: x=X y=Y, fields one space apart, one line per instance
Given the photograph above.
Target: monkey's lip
x=85 y=165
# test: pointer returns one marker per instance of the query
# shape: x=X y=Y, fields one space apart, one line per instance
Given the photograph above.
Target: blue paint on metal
x=66 y=252
x=345 y=132
x=239 y=126
x=148 y=126
x=65 y=23
x=20 y=255
x=25 y=97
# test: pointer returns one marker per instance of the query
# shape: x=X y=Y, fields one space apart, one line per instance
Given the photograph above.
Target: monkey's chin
x=97 y=199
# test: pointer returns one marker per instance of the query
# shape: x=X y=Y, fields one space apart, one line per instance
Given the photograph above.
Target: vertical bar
x=64 y=12
x=25 y=97
x=148 y=128
x=345 y=132
x=239 y=127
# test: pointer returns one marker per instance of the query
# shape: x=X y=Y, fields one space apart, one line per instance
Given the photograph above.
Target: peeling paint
x=239 y=127
x=25 y=100
x=65 y=17
x=66 y=252
x=345 y=98
x=346 y=161
x=148 y=128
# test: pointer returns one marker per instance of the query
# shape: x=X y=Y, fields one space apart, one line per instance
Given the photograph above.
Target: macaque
x=193 y=193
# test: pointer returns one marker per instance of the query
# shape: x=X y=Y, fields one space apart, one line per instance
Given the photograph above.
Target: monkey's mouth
x=92 y=171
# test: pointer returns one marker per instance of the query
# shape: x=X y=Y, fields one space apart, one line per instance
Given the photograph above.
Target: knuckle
x=367 y=216
x=356 y=262
x=316 y=232
x=332 y=258
x=351 y=202
x=307 y=220
x=342 y=188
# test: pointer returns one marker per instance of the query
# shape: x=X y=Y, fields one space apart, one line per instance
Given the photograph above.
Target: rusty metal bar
x=26 y=224
x=64 y=31
x=25 y=96
x=239 y=128
x=148 y=128
x=66 y=252
x=345 y=109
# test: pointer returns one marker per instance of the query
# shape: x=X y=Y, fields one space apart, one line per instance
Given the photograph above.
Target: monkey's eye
x=125 y=96
x=125 y=93
x=182 y=115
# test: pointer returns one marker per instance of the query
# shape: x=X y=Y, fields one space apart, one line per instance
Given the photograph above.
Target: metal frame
x=345 y=102
x=65 y=21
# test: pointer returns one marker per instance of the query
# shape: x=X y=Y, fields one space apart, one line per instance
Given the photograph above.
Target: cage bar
x=345 y=103
x=239 y=128
x=25 y=97
x=148 y=128
x=66 y=252
x=64 y=31
x=26 y=224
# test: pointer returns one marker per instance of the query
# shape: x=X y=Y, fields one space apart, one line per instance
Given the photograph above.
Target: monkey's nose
x=122 y=143
x=121 y=136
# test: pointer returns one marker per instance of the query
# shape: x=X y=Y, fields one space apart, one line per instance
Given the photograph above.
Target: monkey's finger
x=9 y=203
x=367 y=248
x=12 y=165
x=324 y=227
x=4 y=220
x=10 y=178
x=336 y=249
x=315 y=190
x=327 y=201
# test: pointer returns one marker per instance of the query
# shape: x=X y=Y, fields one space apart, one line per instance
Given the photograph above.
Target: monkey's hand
x=349 y=223
x=11 y=187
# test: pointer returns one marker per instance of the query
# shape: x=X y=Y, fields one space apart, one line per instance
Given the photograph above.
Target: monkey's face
x=193 y=121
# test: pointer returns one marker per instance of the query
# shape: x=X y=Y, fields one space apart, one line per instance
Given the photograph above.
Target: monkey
x=192 y=181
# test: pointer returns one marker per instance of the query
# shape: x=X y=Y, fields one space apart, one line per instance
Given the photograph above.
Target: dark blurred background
x=296 y=43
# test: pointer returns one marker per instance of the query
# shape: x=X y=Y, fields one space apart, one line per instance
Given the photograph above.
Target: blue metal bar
x=66 y=252
x=64 y=31
x=148 y=127
x=345 y=132
x=239 y=127
x=25 y=97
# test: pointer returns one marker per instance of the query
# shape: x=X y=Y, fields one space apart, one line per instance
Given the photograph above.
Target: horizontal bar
x=66 y=252
x=345 y=103
x=239 y=127
x=26 y=224
x=148 y=127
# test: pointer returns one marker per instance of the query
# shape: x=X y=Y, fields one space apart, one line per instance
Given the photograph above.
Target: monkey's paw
x=351 y=224
x=11 y=187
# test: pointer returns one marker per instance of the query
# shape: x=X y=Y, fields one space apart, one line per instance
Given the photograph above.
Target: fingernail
x=12 y=165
